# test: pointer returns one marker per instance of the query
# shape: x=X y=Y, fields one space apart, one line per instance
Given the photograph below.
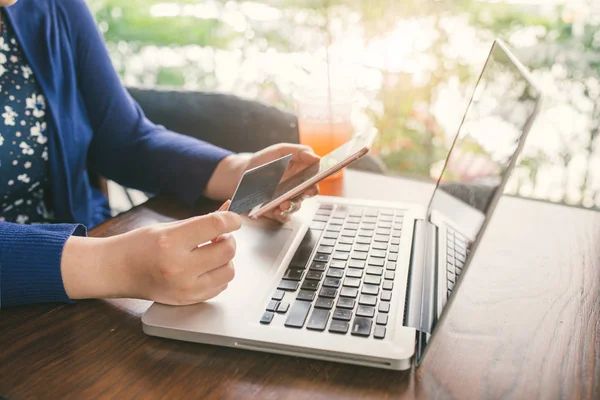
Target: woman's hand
x=177 y=263
x=228 y=173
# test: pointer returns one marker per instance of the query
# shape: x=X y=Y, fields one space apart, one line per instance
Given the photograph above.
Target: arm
x=127 y=147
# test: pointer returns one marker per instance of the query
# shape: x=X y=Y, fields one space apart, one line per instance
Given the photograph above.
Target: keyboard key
x=321 y=258
x=335 y=273
x=356 y=264
x=331 y=235
x=293 y=274
x=396 y=233
x=325 y=249
x=386 y=295
x=349 y=292
x=297 y=315
x=326 y=206
x=346 y=302
x=385 y=224
x=395 y=241
x=459 y=257
x=341 y=314
x=317 y=225
x=381 y=319
x=306 y=295
x=362 y=247
x=322 y=302
x=359 y=255
x=267 y=317
x=331 y=282
x=394 y=248
x=373 y=279
x=328 y=242
x=378 y=262
x=393 y=257
x=272 y=306
x=374 y=271
x=340 y=256
x=379 y=332
x=314 y=275
x=386 y=212
x=383 y=231
x=346 y=248
x=388 y=285
x=361 y=326
x=346 y=240
x=391 y=266
x=371 y=212
x=370 y=289
x=338 y=326
x=450 y=286
x=355 y=211
x=365 y=311
x=351 y=226
x=381 y=238
x=328 y=292
x=318 y=320
x=398 y=225
x=348 y=233
x=352 y=282
x=384 y=306
x=377 y=253
x=353 y=220
x=390 y=275
x=283 y=307
x=320 y=218
x=363 y=240
x=380 y=246
x=278 y=295
x=318 y=266
x=365 y=234
x=459 y=264
x=310 y=285
x=368 y=226
x=367 y=300
x=337 y=264
x=337 y=221
x=334 y=228
x=451 y=276
x=354 y=273
x=288 y=285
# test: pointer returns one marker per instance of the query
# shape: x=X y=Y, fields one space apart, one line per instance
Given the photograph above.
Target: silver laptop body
x=366 y=282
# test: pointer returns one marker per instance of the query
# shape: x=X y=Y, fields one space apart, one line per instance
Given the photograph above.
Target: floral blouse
x=24 y=185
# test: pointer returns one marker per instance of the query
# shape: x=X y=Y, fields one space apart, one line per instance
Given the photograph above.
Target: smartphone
x=329 y=164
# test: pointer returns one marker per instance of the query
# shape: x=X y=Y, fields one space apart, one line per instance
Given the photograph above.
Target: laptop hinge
x=420 y=295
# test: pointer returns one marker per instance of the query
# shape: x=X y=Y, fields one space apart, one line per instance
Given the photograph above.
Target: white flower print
x=3 y=45
x=45 y=155
x=27 y=72
x=42 y=139
x=23 y=178
x=21 y=219
x=37 y=103
x=27 y=150
x=38 y=129
x=2 y=69
x=13 y=59
x=1 y=140
x=9 y=116
x=27 y=164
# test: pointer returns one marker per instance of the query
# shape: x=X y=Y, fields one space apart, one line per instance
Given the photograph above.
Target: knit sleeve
x=30 y=257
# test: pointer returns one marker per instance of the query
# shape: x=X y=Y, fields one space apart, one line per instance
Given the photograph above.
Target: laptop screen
x=500 y=112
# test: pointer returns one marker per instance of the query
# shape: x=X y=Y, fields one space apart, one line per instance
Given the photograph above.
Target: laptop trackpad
x=259 y=245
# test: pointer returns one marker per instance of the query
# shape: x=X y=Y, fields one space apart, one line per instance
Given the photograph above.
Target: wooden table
x=525 y=324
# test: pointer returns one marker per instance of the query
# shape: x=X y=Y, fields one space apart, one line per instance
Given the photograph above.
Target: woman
x=65 y=119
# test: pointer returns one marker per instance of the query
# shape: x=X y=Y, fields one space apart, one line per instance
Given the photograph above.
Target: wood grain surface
x=525 y=324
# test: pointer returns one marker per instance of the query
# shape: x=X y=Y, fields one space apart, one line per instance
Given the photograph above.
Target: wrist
x=93 y=268
x=226 y=176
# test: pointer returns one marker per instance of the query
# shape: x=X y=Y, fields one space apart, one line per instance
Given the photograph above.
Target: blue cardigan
x=94 y=128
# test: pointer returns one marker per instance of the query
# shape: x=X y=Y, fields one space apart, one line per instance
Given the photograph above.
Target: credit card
x=258 y=185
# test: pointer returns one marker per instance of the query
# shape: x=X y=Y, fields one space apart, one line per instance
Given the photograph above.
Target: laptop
x=366 y=282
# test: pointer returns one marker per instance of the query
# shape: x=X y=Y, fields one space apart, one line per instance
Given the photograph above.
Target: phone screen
x=327 y=162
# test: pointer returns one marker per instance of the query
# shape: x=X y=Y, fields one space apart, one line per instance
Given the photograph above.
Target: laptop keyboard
x=457 y=249
x=341 y=277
